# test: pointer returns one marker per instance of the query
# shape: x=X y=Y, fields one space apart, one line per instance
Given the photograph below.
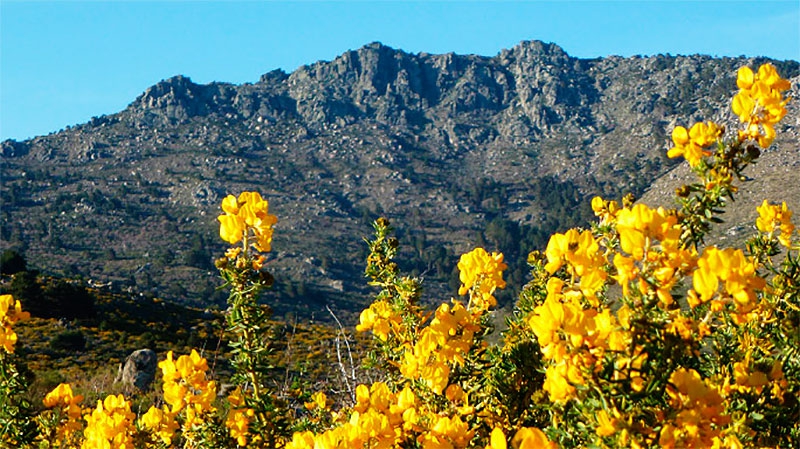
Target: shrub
x=25 y=287
x=67 y=300
x=69 y=340
x=11 y=262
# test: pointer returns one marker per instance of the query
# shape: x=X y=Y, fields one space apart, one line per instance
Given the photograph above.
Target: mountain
x=456 y=150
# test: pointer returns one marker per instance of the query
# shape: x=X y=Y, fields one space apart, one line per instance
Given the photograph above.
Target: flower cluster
x=603 y=347
x=573 y=338
x=424 y=405
x=380 y=419
x=68 y=410
x=481 y=274
x=693 y=144
x=10 y=313
x=579 y=251
x=760 y=104
x=186 y=389
x=110 y=425
x=731 y=268
x=380 y=319
x=444 y=342
x=525 y=438
x=247 y=217
x=239 y=417
x=385 y=419
x=771 y=218
x=700 y=412
x=161 y=422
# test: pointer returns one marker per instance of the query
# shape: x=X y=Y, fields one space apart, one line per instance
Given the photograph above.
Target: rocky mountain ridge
x=457 y=150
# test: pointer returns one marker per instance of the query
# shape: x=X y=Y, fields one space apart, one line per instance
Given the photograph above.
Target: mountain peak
x=534 y=50
x=177 y=99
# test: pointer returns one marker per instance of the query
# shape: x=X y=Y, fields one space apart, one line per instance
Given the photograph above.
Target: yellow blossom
x=692 y=144
x=497 y=439
x=63 y=398
x=731 y=267
x=161 y=422
x=773 y=217
x=380 y=319
x=245 y=215
x=318 y=401
x=531 y=438
x=760 y=103
x=10 y=313
x=109 y=425
x=481 y=273
x=606 y=425
x=240 y=416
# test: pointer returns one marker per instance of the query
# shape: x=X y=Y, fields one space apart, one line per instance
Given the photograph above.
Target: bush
x=51 y=298
x=26 y=288
x=69 y=340
x=67 y=300
x=11 y=262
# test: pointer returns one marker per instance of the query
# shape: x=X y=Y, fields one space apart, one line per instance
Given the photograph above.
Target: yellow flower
x=10 y=313
x=480 y=274
x=185 y=383
x=606 y=425
x=62 y=396
x=557 y=381
x=161 y=422
x=692 y=144
x=230 y=205
x=772 y=217
x=406 y=399
x=453 y=430
x=249 y=213
x=699 y=411
x=379 y=318
x=760 y=103
x=626 y=271
x=318 y=401
x=531 y=438
x=302 y=440
x=109 y=425
x=580 y=252
x=497 y=439
x=578 y=249
x=548 y=318
x=232 y=228
x=239 y=417
x=737 y=272
x=747 y=379
x=606 y=210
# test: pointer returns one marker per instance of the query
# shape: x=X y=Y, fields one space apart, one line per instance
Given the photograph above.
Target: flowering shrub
x=631 y=333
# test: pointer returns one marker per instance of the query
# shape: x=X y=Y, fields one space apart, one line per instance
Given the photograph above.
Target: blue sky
x=63 y=62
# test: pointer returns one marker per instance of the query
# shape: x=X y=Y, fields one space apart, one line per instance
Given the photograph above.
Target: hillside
x=87 y=346
x=457 y=150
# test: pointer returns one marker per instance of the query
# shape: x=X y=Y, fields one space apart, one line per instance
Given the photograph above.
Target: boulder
x=138 y=369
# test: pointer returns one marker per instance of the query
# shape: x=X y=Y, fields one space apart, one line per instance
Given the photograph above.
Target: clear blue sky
x=63 y=62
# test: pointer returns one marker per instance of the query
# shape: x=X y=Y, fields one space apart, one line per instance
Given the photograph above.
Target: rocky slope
x=457 y=150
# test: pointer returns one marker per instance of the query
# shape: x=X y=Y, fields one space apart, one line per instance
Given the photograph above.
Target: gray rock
x=138 y=369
